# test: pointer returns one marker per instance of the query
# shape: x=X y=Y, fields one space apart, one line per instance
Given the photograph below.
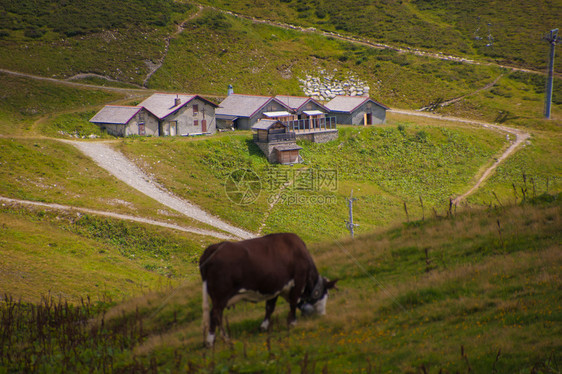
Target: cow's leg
x=269 y=308
x=294 y=295
x=216 y=320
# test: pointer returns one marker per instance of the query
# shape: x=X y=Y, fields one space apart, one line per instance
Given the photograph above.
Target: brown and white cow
x=257 y=270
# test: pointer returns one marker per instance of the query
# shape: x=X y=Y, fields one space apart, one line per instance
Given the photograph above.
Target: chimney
x=177 y=101
x=230 y=90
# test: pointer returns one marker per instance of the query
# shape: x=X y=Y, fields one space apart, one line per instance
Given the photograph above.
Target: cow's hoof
x=210 y=341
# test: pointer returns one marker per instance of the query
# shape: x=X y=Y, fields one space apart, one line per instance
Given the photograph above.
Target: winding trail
x=126 y=217
x=372 y=44
x=123 y=169
x=178 y=31
x=520 y=138
x=127 y=91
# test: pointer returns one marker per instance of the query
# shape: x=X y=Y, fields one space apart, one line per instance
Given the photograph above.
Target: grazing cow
x=257 y=270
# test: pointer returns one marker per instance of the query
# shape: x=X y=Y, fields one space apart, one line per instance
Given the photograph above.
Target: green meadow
x=473 y=292
x=425 y=286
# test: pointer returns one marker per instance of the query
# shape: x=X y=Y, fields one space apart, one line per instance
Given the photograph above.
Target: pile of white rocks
x=325 y=86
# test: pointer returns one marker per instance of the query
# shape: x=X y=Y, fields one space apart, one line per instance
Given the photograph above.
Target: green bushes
x=81 y=17
x=458 y=27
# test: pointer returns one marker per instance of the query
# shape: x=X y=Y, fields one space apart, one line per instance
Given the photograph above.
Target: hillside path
x=126 y=217
x=125 y=170
x=179 y=29
x=520 y=138
x=376 y=45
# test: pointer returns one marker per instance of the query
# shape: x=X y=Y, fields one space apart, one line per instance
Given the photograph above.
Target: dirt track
x=126 y=217
x=520 y=138
x=123 y=169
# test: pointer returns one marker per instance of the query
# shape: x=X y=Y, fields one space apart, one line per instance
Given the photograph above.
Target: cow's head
x=315 y=301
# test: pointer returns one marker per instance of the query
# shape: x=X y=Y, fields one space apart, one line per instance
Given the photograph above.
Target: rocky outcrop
x=325 y=86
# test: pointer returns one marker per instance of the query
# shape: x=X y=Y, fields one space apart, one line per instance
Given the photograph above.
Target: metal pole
x=549 y=82
x=350 y=224
x=552 y=39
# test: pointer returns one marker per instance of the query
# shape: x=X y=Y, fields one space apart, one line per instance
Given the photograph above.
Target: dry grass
x=392 y=311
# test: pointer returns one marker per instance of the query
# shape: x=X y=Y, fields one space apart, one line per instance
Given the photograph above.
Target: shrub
x=34 y=33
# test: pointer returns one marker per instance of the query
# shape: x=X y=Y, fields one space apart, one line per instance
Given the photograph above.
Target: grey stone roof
x=244 y=105
x=164 y=104
x=293 y=102
x=349 y=103
x=115 y=114
x=297 y=102
x=241 y=105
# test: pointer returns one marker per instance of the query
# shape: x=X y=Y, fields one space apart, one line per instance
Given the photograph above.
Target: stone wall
x=319 y=137
x=324 y=86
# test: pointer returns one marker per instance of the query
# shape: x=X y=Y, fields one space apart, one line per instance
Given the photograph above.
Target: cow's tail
x=206 y=312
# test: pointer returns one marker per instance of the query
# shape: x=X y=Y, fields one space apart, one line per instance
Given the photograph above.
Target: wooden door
x=204 y=125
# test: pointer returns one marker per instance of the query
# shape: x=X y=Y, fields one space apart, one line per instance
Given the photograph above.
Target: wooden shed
x=270 y=131
x=276 y=142
x=287 y=153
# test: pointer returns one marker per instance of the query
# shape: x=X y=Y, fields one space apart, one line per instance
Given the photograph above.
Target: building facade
x=357 y=110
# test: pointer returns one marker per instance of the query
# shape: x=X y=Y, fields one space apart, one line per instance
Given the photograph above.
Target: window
x=195 y=109
x=195 y=123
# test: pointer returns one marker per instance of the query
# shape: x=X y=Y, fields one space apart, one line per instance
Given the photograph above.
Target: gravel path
x=123 y=169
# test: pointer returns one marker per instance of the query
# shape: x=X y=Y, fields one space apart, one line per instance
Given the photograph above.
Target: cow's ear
x=331 y=284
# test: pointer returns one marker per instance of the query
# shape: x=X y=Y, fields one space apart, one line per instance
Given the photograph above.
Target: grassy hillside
x=72 y=255
x=54 y=172
x=532 y=171
x=506 y=31
x=26 y=100
x=118 y=39
x=476 y=292
x=217 y=50
x=385 y=166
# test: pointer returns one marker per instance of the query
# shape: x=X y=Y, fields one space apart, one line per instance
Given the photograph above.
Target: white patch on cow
x=210 y=340
x=256 y=297
x=320 y=305
x=264 y=325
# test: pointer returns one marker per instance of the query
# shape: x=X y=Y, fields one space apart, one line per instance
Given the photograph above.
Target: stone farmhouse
x=126 y=120
x=164 y=114
x=161 y=114
x=241 y=112
x=357 y=110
